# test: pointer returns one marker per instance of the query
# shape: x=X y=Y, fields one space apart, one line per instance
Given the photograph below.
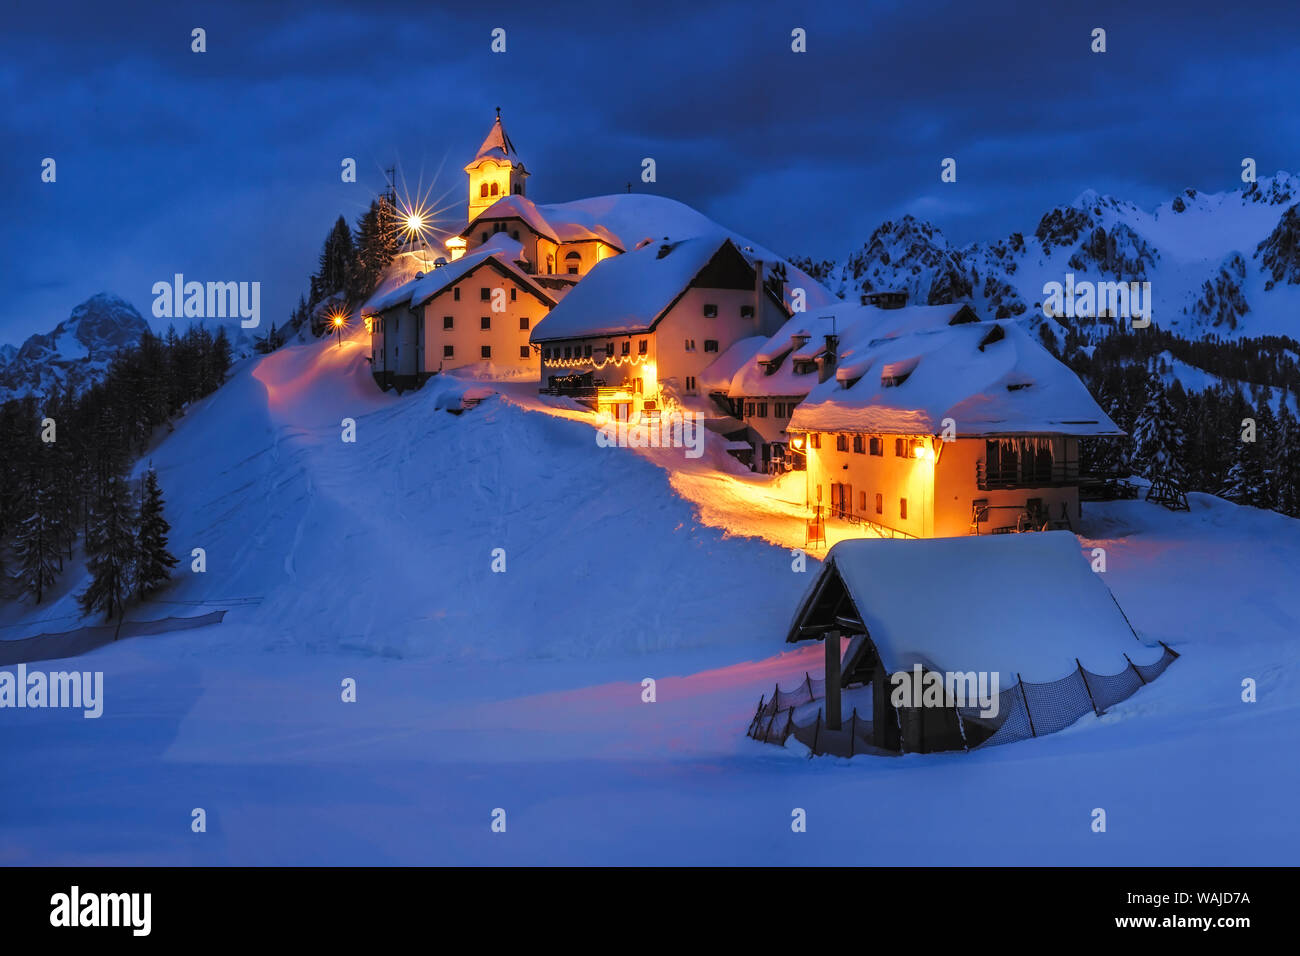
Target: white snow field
x=522 y=690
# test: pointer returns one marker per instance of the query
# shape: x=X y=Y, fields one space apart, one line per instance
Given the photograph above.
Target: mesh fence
x=1024 y=710
x=48 y=647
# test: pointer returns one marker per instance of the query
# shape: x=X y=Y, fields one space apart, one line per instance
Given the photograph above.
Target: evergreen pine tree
x=1157 y=436
x=153 y=561
x=111 y=549
x=37 y=541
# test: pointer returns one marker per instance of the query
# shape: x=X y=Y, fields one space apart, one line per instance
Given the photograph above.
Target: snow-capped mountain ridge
x=1225 y=264
x=76 y=352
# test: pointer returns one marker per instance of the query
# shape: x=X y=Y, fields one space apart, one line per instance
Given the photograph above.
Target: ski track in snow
x=522 y=690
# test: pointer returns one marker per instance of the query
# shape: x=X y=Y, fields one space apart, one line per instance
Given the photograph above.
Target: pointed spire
x=498 y=144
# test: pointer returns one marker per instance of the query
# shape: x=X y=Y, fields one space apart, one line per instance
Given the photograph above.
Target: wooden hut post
x=832 y=641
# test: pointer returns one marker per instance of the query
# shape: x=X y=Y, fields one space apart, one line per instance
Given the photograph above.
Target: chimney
x=826 y=361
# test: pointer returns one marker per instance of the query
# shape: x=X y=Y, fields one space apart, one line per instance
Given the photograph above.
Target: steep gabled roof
x=500 y=254
x=956 y=604
x=630 y=293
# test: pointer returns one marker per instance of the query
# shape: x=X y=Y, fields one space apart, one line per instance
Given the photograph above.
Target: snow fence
x=1025 y=710
x=47 y=647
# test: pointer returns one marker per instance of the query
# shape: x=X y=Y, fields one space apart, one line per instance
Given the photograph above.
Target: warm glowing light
x=796 y=441
x=921 y=451
x=414 y=223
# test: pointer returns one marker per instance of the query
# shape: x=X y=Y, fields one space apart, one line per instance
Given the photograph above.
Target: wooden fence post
x=1135 y=670
x=1084 y=677
x=1021 y=681
x=817 y=730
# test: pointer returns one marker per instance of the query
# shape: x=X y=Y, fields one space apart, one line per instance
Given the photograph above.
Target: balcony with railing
x=1038 y=473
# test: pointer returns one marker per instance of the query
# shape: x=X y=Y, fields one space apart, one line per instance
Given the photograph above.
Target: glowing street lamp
x=339 y=322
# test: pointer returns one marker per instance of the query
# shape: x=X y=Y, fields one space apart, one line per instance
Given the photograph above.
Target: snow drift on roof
x=627 y=293
x=1014 y=603
x=417 y=291
x=717 y=377
x=951 y=376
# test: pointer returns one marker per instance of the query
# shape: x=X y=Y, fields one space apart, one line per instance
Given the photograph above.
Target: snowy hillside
x=75 y=353
x=521 y=689
x=1226 y=264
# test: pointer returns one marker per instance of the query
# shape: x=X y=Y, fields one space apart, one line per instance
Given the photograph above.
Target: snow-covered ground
x=521 y=690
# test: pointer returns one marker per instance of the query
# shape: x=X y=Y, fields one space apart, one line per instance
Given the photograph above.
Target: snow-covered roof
x=413 y=293
x=629 y=293
x=719 y=373
x=803 y=338
x=554 y=226
x=990 y=378
x=496 y=146
x=1014 y=603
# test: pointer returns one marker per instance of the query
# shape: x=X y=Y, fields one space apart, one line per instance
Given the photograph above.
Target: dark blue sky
x=225 y=165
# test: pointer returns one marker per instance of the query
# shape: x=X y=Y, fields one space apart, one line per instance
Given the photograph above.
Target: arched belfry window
x=482 y=191
x=494 y=189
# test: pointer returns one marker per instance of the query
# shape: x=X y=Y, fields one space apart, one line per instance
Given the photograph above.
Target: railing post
x=1084 y=677
x=1021 y=681
x=1135 y=670
x=853 y=730
x=817 y=730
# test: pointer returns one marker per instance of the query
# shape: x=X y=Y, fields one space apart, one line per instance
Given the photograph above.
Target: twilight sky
x=224 y=165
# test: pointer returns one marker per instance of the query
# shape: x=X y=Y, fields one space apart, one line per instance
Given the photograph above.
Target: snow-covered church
x=687 y=292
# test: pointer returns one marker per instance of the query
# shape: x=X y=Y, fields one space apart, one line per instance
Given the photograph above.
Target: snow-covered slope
x=1226 y=264
x=76 y=352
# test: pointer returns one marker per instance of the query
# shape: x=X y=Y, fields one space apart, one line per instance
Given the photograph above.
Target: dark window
x=523 y=351
x=455 y=293
x=514 y=293
x=690 y=383
x=880 y=503
x=485 y=322
x=515 y=235
x=448 y=351
x=586 y=351
x=627 y=348
x=568 y=351
x=762 y=409
x=485 y=351
x=484 y=295
x=642 y=346
x=900 y=447
x=779 y=410
x=841 y=442
x=877 y=445
x=609 y=348
x=710 y=311
x=523 y=323
x=690 y=345
x=862 y=501
x=902 y=507
x=448 y=322
x=749 y=409
x=546 y=353
x=746 y=311
x=710 y=345
x=859 y=445
x=485 y=237
x=519 y=188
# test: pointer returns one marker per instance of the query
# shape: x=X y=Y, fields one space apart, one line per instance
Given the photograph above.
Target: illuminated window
x=815 y=440
x=482 y=191
x=494 y=192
